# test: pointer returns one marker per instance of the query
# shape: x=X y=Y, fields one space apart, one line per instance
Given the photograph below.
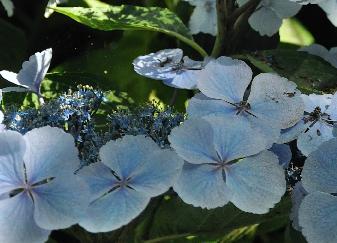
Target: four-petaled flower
x=38 y=189
x=273 y=102
x=133 y=170
x=226 y=160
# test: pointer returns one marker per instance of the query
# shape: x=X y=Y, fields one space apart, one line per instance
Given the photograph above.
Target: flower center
x=242 y=106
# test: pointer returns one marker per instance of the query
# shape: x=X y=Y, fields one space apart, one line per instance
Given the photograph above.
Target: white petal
x=292 y=133
x=317 y=217
x=202 y=186
x=320 y=168
x=257 y=182
x=276 y=99
x=225 y=79
x=265 y=21
x=50 y=153
x=330 y=7
x=332 y=109
x=185 y=80
x=114 y=210
x=124 y=155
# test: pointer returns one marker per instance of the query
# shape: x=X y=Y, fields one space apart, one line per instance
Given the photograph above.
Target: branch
x=248 y=5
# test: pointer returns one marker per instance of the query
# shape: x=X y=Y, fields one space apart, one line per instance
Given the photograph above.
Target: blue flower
x=283 y=153
x=273 y=103
x=38 y=189
x=226 y=160
x=317 y=213
x=316 y=127
x=32 y=73
x=133 y=170
x=203 y=18
x=169 y=66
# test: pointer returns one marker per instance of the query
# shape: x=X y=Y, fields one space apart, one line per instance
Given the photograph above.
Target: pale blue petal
x=99 y=178
x=1 y=116
x=297 y=195
x=313 y=100
x=310 y=140
x=330 y=7
x=317 y=217
x=257 y=182
x=114 y=210
x=9 y=7
x=265 y=21
x=60 y=203
x=12 y=149
x=225 y=79
x=33 y=71
x=284 y=8
x=319 y=172
x=276 y=99
x=290 y=134
x=305 y=2
x=332 y=109
x=17 y=222
x=125 y=154
x=157 y=173
x=185 y=80
x=200 y=105
x=283 y=153
x=228 y=138
x=193 y=141
x=316 y=50
x=203 y=18
x=202 y=186
x=50 y=152
x=158 y=65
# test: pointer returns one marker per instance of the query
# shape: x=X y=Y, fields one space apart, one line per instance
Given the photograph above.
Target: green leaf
x=175 y=221
x=310 y=73
x=294 y=32
x=127 y=17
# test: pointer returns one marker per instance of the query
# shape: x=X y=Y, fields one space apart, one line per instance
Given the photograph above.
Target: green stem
x=166 y=238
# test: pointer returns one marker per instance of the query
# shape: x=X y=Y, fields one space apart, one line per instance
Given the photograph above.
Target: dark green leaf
x=127 y=17
x=310 y=73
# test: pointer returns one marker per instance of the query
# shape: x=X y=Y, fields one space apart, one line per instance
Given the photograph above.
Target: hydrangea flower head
x=133 y=170
x=318 y=211
x=9 y=7
x=203 y=18
x=268 y=16
x=226 y=160
x=170 y=66
x=32 y=73
x=273 y=103
x=318 y=50
x=38 y=189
